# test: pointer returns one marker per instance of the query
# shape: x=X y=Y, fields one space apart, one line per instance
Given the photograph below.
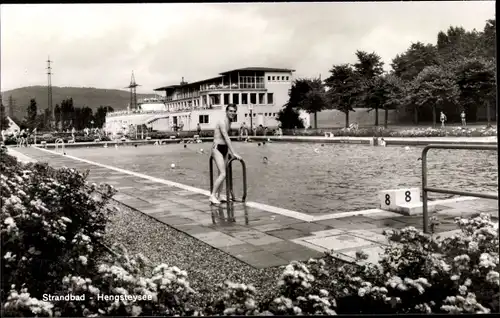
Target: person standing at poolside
x=243 y=131
x=462 y=116
x=442 y=117
x=220 y=150
x=198 y=129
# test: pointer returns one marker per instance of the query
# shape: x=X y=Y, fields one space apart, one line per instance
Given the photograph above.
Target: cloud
x=100 y=44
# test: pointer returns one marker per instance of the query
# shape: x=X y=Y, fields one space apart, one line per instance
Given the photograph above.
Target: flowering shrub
x=50 y=223
x=418 y=273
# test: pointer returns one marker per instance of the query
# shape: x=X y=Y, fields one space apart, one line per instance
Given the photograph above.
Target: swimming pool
x=310 y=178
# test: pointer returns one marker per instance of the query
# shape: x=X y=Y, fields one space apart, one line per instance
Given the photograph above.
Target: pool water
x=311 y=178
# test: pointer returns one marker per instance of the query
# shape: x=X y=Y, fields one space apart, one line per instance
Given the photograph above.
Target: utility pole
x=49 y=94
x=133 y=93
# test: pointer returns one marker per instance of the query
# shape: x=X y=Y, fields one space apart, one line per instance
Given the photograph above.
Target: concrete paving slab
x=288 y=233
x=309 y=227
x=339 y=242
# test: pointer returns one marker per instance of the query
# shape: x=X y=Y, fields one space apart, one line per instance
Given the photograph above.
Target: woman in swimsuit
x=220 y=150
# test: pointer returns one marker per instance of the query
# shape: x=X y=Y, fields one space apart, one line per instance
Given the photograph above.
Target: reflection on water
x=311 y=178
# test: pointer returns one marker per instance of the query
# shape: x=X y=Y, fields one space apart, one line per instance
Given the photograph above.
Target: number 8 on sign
x=407 y=196
x=387 y=199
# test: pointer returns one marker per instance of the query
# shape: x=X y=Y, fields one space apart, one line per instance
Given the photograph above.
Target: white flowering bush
x=128 y=286
x=51 y=225
x=238 y=299
x=418 y=273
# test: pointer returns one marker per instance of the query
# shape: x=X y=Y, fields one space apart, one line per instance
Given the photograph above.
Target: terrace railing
x=426 y=189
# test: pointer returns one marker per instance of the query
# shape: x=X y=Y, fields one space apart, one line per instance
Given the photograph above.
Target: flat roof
x=188 y=84
x=164 y=88
x=255 y=69
x=260 y=69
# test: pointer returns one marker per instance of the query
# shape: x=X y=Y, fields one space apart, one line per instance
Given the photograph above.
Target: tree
x=308 y=95
x=457 y=43
x=395 y=90
x=476 y=79
x=87 y=116
x=67 y=110
x=4 y=122
x=100 y=115
x=434 y=87
x=31 y=114
x=77 y=121
x=408 y=65
x=369 y=68
x=343 y=90
x=289 y=118
x=57 y=116
x=488 y=39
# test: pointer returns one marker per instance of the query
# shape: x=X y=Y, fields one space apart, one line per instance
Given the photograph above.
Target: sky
x=99 y=45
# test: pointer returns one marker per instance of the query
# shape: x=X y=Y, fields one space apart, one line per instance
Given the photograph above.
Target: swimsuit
x=223 y=149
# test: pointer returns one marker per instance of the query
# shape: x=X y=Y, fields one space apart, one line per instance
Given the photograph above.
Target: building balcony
x=236 y=87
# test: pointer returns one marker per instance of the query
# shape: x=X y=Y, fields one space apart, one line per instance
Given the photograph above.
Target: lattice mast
x=49 y=92
x=133 y=92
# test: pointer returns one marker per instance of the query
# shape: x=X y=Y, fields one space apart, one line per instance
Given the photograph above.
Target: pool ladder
x=230 y=197
x=59 y=141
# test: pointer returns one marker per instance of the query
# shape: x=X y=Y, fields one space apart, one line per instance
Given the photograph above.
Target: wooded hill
x=82 y=96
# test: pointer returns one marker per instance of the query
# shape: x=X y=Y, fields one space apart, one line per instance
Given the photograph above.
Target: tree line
x=66 y=116
x=456 y=74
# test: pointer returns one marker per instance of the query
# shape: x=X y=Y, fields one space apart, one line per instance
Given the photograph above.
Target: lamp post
x=250 y=107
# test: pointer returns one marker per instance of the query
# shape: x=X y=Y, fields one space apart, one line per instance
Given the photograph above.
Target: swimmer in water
x=265 y=160
x=220 y=150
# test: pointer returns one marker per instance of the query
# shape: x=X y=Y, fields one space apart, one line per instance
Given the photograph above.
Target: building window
x=265 y=114
x=253 y=98
x=282 y=78
x=203 y=119
x=261 y=98
x=236 y=99
x=269 y=78
x=244 y=98
x=270 y=98
x=287 y=78
x=215 y=99
x=273 y=78
x=253 y=114
x=246 y=115
x=226 y=99
x=274 y=114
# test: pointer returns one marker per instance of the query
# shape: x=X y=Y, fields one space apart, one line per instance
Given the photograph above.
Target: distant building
x=259 y=92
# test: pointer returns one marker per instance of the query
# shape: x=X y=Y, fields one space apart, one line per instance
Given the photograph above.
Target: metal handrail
x=59 y=141
x=229 y=180
x=426 y=189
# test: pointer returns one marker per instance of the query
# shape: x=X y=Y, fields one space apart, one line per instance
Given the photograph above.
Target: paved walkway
x=257 y=237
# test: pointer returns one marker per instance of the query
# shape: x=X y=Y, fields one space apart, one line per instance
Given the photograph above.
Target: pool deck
x=260 y=235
